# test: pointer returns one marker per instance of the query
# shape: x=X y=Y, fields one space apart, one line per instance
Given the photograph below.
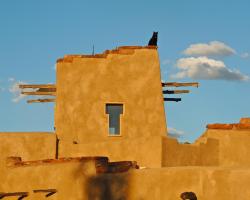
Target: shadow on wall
x=108 y=186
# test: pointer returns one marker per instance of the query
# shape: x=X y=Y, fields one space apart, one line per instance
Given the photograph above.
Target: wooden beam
x=172 y=99
x=48 y=191
x=37 y=86
x=12 y=194
x=175 y=91
x=121 y=166
x=39 y=93
x=41 y=100
x=46 y=90
x=175 y=84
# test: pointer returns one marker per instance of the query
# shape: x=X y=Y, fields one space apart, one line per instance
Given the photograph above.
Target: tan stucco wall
x=146 y=151
x=127 y=76
x=69 y=179
x=233 y=146
x=78 y=181
x=131 y=76
x=28 y=146
x=168 y=183
x=207 y=182
x=205 y=153
x=152 y=152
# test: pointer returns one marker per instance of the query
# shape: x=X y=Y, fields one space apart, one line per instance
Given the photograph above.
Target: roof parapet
x=244 y=124
x=122 y=50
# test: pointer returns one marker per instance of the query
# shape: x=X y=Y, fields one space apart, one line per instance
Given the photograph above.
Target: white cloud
x=245 y=55
x=16 y=91
x=172 y=132
x=11 y=79
x=214 y=48
x=207 y=69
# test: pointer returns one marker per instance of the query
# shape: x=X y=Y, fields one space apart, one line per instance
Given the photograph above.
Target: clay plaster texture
x=128 y=76
x=29 y=146
x=68 y=178
x=215 y=166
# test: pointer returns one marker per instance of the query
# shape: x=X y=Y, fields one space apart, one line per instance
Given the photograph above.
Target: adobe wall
x=221 y=145
x=234 y=146
x=169 y=183
x=234 y=142
x=206 y=182
x=68 y=178
x=151 y=152
x=128 y=75
x=146 y=151
x=28 y=145
x=78 y=180
x=205 y=153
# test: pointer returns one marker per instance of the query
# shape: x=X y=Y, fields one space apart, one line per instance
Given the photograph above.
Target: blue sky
x=33 y=34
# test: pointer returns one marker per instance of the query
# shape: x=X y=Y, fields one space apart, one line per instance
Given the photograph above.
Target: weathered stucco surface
x=68 y=178
x=29 y=146
x=234 y=146
x=119 y=149
x=127 y=76
x=218 y=183
x=205 y=153
x=216 y=166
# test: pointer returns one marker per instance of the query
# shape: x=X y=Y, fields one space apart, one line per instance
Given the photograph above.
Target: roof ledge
x=122 y=50
x=245 y=120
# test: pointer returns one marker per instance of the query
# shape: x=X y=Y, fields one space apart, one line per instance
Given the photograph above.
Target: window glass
x=114 y=111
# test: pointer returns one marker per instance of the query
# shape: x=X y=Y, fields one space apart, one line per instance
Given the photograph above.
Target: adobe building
x=111 y=142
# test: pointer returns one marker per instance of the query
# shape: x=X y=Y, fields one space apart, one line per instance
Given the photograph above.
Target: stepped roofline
x=122 y=50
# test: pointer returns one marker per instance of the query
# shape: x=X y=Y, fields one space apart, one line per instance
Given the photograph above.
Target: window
x=114 y=111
